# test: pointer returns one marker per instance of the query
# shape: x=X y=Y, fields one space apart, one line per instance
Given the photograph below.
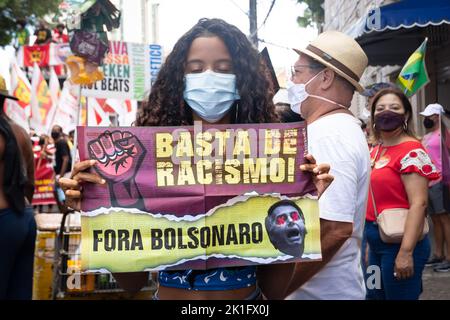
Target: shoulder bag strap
x=370 y=181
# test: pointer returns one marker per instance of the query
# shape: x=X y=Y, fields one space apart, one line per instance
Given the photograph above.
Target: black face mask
x=428 y=123
x=389 y=120
x=55 y=135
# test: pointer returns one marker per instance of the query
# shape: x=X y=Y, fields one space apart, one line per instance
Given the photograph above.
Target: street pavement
x=436 y=285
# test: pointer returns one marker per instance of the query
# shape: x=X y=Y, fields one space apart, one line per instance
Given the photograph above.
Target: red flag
x=36 y=54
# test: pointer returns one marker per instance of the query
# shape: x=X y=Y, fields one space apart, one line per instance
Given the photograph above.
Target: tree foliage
x=13 y=10
x=314 y=13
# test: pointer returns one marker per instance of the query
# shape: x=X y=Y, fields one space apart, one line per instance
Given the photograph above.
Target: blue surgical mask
x=210 y=94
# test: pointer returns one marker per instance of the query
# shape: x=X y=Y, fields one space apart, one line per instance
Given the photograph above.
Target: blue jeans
x=383 y=255
x=17 y=242
x=364 y=246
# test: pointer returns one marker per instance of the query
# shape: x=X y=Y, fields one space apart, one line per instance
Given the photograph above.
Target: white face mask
x=297 y=94
x=210 y=94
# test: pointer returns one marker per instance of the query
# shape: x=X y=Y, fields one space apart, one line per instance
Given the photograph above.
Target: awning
x=391 y=33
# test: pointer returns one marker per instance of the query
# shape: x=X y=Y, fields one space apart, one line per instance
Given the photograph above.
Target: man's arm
x=64 y=166
x=65 y=160
x=273 y=279
x=333 y=235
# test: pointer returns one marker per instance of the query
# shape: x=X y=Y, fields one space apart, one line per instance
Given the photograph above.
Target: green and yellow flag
x=414 y=73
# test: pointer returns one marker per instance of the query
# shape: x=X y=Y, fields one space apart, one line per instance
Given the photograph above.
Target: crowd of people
x=43 y=34
x=359 y=180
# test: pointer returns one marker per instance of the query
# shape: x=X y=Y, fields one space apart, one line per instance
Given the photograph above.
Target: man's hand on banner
x=320 y=172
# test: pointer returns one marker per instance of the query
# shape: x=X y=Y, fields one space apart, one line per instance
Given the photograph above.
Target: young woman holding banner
x=212 y=52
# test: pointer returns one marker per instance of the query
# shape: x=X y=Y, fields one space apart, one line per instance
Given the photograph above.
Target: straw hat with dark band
x=340 y=53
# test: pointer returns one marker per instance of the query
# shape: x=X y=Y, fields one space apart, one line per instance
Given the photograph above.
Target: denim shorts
x=436 y=199
x=382 y=257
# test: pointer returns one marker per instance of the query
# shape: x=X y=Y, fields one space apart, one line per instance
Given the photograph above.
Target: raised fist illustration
x=119 y=155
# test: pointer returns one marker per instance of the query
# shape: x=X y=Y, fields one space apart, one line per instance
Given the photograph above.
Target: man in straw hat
x=322 y=85
x=17 y=225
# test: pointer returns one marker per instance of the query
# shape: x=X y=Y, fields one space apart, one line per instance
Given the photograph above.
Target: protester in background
x=324 y=80
x=59 y=35
x=440 y=259
x=63 y=163
x=44 y=155
x=401 y=170
x=371 y=90
x=69 y=141
x=23 y=35
x=43 y=34
x=17 y=225
x=213 y=51
x=72 y=137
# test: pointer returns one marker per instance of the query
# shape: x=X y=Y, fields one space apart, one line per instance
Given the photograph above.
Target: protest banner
x=41 y=101
x=19 y=111
x=67 y=107
x=59 y=53
x=197 y=197
x=44 y=180
x=39 y=54
x=156 y=60
x=126 y=69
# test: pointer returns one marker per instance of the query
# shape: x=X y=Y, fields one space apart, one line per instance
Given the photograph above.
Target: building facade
x=139 y=22
x=348 y=16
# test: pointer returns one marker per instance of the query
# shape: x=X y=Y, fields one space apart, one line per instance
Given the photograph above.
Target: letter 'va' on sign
x=129 y=69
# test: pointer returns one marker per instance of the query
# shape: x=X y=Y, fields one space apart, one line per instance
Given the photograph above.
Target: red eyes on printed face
x=282 y=219
x=295 y=216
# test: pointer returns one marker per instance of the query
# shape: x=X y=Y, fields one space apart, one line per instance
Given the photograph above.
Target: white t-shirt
x=337 y=139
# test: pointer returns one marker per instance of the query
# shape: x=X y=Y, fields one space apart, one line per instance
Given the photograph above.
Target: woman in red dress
x=401 y=169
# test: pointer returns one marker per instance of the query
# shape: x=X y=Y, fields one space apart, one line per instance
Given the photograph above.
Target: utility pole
x=144 y=21
x=155 y=22
x=253 y=23
x=121 y=22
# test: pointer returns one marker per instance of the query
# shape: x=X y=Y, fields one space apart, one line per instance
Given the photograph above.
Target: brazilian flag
x=414 y=73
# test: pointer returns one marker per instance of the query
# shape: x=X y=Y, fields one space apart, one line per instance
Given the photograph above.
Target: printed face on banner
x=286 y=227
x=197 y=197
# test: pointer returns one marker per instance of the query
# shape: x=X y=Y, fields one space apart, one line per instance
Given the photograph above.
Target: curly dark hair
x=166 y=106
